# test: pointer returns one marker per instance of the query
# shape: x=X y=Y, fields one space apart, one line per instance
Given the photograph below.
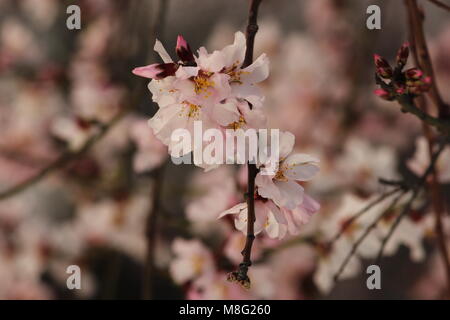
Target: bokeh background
x=141 y=227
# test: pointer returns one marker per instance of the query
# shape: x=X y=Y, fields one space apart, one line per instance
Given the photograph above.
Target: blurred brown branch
x=440 y=4
x=151 y=229
x=63 y=159
x=421 y=55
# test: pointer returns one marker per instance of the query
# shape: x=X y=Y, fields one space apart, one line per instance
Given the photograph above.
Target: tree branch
x=241 y=274
x=422 y=58
x=364 y=235
x=416 y=17
x=63 y=159
x=440 y=4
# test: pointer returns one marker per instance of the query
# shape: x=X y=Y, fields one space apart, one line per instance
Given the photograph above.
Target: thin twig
x=408 y=105
x=440 y=4
x=68 y=156
x=364 y=235
x=241 y=274
x=63 y=159
x=407 y=207
x=369 y=206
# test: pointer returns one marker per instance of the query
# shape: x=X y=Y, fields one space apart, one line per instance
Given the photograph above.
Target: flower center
x=235 y=73
x=191 y=110
x=237 y=124
x=202 y=83
x=280 y=175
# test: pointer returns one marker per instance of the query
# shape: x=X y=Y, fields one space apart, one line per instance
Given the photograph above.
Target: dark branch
x=241 y=274
x=441 y=4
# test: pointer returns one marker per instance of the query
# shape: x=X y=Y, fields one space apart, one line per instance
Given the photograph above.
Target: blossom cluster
x=411 y=82
x=216 y=89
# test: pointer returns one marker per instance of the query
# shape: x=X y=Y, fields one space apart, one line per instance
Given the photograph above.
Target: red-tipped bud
x=427 y=80
x=413 y=74
x=156 y=71
x=385 y=72
x=400 y=90
x=184 y=51
x=380 y=62
x=402 y=55
x=383 y=94
x=420 y=86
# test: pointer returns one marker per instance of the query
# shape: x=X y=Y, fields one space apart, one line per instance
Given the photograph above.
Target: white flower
x=282 y=187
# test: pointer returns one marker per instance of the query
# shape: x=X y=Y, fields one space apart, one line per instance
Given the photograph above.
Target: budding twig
x=421 y=55
x=241 y=274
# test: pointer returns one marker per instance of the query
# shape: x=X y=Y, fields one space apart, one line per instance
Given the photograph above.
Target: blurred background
x=112 y=202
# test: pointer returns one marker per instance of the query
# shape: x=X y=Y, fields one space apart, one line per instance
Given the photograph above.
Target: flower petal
x=234 y=54
x=301 y=167
x=256 y=72
x=159 y=48
x=234 y=210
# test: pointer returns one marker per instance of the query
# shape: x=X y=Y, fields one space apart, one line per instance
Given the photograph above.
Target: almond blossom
x=210 y=87
x=282 y=187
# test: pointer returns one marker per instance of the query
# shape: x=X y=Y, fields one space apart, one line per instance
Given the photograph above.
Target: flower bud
x=402 y=55
x=183 y=50
x=413 y=74
x=383 y=94
x=380 y=62
x=385 y=72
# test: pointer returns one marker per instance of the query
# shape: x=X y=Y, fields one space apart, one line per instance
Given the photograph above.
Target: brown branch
x=241 y=274
x=440 y=4
x=362 y=212
x=416 y=17
x=364 y=235
x=407 y=207
x=63 y=159
x=408 y=105
x=422 y=59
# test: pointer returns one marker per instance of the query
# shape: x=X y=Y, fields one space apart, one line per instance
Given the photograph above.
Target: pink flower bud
x=414 y=74
x=380 y=62
x=156 y=71
x=383 y=94
x=385 y=72
x=403 y=54
x=183 y=50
